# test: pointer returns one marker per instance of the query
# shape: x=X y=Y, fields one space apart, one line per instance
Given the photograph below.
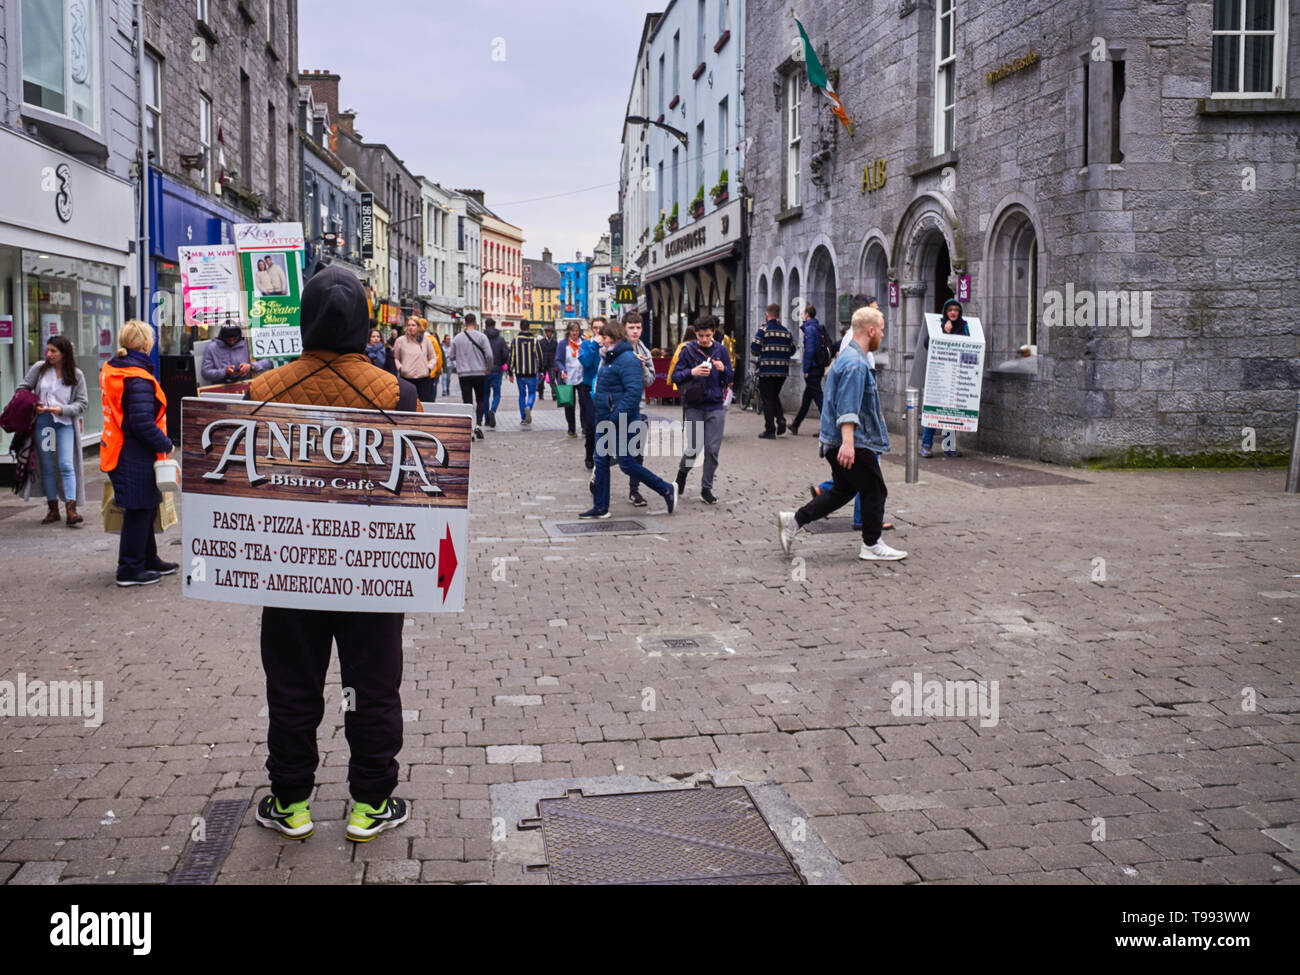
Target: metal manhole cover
x=598 y=527
x=682 y=644
x=202 y=861
x=683 y=836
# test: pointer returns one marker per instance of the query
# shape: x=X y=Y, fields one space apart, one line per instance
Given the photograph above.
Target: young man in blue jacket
x=618 y=411
x=812 y=370
x=703 y=373
x=853 y=436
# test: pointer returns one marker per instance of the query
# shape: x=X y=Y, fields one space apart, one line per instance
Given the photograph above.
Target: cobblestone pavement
x=1146 y=729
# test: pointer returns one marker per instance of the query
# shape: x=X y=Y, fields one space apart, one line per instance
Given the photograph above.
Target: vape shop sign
x=310 y=507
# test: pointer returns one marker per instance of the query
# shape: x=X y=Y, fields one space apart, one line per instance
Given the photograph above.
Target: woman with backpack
x=60 y=388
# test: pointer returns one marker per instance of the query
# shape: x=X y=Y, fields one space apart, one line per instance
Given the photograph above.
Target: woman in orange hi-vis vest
x=135 y=435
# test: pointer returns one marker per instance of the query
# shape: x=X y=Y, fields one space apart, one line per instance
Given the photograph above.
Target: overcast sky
x=545 y=120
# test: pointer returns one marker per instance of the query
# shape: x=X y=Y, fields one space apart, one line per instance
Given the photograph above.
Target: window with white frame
x=153 y=106
x=1249 y=48
x=270 y=21
x=699 y=33
x=205 y=141
x=945 y=74
x=724 y=16
x=60 y=69
x=201 y=9
x=793 y=95
x=677 y=72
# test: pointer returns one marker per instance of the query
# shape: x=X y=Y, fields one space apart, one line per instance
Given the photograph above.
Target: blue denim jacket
x=852 y=397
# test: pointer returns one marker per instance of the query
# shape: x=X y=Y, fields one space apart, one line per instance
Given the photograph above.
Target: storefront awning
x=717 y=254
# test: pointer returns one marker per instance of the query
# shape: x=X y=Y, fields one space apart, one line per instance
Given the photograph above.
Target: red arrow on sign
x=446 y=564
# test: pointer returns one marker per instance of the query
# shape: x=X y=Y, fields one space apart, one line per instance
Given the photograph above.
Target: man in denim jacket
x=853 y=435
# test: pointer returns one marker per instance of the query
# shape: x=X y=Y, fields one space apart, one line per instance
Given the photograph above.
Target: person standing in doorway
x=953 y=323
x=771 y=349
x=703 y=374
x=852 y=435
x=472 y=353
x=816 y=357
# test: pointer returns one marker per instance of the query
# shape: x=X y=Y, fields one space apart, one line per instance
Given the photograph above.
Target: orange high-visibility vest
x=112 y=385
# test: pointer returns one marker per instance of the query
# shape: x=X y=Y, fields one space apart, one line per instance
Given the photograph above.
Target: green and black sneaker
x=367 y=821
x=293 y=820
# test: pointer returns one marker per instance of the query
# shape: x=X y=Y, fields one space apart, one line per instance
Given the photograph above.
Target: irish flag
x=817 y=78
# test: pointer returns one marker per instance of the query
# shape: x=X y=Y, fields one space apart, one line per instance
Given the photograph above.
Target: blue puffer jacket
x=619 y=384
x=133 y=478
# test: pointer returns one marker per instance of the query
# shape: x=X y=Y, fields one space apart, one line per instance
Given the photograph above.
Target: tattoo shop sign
x=270 y=264
x=312 y=507
x=954 y=374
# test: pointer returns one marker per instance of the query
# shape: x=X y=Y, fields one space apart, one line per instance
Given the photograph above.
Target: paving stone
x=511 y=754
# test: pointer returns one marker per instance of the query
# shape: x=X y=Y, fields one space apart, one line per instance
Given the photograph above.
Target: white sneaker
x=787 y=527
x=880 y=552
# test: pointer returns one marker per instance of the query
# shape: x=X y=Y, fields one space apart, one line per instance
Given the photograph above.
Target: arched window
x=873 y=282
x=778 y=291
x=1013 y=285
x=793 y=314
x=761 y=293
x=822 y=289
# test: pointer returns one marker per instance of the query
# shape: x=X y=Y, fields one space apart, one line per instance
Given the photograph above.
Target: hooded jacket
x=619 y=384
x=708 y=392
x=500 y=351
x=959 y=327
x=218 y=355
x=333 y=369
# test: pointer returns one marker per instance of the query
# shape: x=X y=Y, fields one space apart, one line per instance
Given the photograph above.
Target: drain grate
x=682 y=644
x=684 y=836
x=598 y=527
x=202 y=861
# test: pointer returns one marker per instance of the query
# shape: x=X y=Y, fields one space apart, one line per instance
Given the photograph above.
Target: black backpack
x=824 y=352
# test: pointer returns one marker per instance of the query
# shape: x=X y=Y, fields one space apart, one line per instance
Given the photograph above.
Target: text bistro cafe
x=65 y=261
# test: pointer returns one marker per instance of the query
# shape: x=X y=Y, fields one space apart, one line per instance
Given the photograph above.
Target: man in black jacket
x=547 y=345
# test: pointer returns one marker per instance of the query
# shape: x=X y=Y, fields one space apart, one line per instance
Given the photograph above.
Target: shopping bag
x=113 y=515
x=564 y=394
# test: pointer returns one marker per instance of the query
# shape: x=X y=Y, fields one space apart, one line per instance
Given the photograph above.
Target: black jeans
x=474 y=388
x=137 y=549
x=769 y=388
x=862 y=478
x=426 y=388
x=812 y=393
x=587 y=411
x=296 y=656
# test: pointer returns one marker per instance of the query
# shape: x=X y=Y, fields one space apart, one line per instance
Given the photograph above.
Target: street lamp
x=642 y=120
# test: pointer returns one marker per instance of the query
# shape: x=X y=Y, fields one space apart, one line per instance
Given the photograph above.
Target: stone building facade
x=1113 y=157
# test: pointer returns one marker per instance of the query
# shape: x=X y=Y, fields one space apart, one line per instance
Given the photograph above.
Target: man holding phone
x=703 y=373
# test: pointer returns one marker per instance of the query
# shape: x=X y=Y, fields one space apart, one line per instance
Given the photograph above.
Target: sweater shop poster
x=270 y=264
x=954 y=375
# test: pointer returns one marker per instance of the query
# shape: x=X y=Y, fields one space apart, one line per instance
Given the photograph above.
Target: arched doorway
x=940 y=288
x=822 y=289
x=778 y=292
x=873 y=282
x=760 y=294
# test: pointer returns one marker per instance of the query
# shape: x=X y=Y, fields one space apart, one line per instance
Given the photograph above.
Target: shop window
x=1248 y=57
x=945 y=75
x=60 y=70
x=76 y=299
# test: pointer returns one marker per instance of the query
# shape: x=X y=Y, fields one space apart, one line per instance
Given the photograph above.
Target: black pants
x=769 y=387
x=587 y=411
x=812 y=393
x=426 y=388
x=474 y=388
x=863 y=478
x=295 y=656
x=137 y=549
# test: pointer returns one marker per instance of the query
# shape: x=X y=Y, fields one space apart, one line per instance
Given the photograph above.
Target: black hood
x=491 y=331
x=961 y=312
x=335 y=315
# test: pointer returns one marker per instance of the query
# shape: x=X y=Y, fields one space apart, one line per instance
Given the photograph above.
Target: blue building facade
x=573 y=289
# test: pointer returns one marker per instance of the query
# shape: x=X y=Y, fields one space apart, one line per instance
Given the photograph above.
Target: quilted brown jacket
x=320 y=377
